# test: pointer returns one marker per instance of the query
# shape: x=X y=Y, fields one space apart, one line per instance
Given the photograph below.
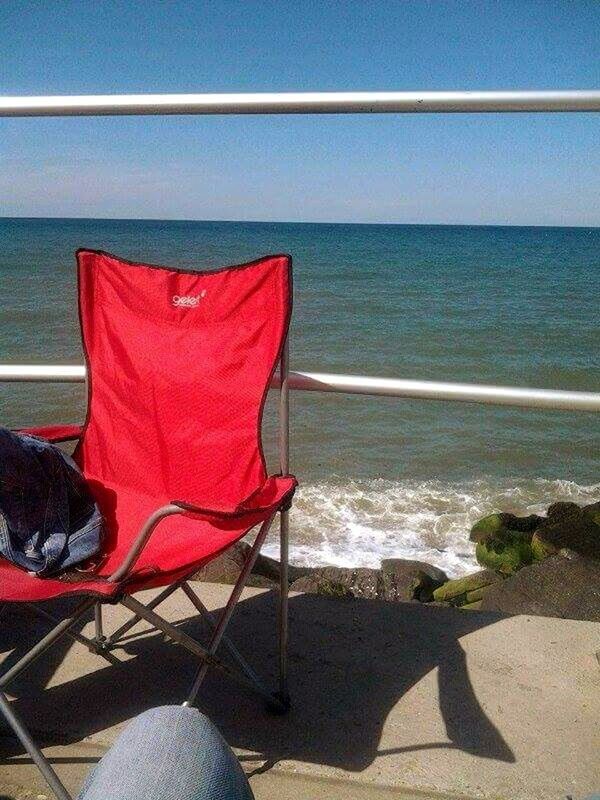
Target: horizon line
x=300 y=222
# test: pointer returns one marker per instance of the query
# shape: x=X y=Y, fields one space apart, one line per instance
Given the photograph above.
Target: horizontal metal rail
x=45 y=374
x=552 y=399
x=302 y=103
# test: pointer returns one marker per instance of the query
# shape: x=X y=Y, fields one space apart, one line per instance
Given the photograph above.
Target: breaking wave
x=361 y=522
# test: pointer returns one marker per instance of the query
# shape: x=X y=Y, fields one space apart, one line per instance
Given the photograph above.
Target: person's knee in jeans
x=168 y=753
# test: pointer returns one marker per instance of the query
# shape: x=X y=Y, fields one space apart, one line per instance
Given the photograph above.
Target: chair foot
x=278 y=704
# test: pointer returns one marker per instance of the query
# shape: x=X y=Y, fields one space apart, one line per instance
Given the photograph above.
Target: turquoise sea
x=380 y=476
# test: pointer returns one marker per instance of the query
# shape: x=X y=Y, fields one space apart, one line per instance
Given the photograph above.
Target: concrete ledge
x=395 y=699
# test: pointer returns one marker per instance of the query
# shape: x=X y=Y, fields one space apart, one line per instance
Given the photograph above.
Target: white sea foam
x=361 y=522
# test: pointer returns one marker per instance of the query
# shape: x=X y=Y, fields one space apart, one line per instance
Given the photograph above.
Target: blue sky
x=505 y=169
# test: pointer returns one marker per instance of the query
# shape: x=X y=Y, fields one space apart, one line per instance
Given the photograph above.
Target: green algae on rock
x=506 y=552
x=503 y=541
x=457 y=591
x=494 y=524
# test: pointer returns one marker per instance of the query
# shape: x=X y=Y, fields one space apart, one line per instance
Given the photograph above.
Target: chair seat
x=179 y=546
x=18 y=586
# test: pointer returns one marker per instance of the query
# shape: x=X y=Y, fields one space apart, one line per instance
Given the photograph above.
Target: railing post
x=284 y=522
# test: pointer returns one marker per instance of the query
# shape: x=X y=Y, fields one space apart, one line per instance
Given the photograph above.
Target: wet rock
x=540 y=549
x=265 y=574
x=504 y=541
x=398 y=580
x=571 y=528
x=226 y=568
x=487 y=526
x=523 y=524
x=593 y=511
x=475 y=595
x=405 y=580
x=475 y=606
x=559 y=586
x=271 y=568
x=340 y=582
x=458 y=589
x=563 y=509
x=495 y=524
x=505 y=552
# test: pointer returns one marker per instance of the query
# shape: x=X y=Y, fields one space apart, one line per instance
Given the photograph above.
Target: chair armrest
x=55 y=433
x=275 y=494
x=140 y=541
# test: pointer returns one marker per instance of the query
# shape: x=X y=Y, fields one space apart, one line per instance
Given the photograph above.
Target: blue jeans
x=48 y=517
x=168 y=753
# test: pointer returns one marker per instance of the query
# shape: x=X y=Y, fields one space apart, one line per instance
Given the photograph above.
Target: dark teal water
x=505 y=305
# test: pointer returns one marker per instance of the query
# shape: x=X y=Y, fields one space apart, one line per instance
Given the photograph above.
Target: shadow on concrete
x=350 y=663
x=21 y=629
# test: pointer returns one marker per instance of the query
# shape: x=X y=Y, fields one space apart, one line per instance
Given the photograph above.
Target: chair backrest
x=179 y=363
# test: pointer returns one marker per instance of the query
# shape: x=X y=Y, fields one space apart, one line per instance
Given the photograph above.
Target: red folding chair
x=179 y=363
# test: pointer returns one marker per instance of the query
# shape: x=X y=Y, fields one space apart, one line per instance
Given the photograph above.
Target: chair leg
x=91 y=644
x=98 y=626
x=283 y=607
x=115 y=638
x=61 y=629
x=229 y=609
x=56 y=633
x=284 y=463
x=235 y=653
x=182 y=638
x=38 y=758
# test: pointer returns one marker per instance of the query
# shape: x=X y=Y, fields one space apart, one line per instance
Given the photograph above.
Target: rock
x=503 y=541
x=563 y=509
x=397 y=566
x=226 y=568
x=398 y=580
x=506 y=543
x=506 y=552
x=486 y=527
x=265 y=574
x=495 y=524
x=476 y=594
x=340 y=582
x=260 y=582
x=459 y=588
x=567 y=587
x=405 y=580
x=571 y=528
x=270 y=568
x=523 y=524
x=593 y=511
x=540 y=550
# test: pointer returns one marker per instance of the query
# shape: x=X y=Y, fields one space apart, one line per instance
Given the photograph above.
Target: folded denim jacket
x=48 y=517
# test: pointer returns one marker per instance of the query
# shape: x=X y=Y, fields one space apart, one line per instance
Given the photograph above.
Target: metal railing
x=302 y=103
x=359 y=384
x=328 y=103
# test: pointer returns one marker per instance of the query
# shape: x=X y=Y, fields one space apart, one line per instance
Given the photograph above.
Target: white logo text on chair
x=187 y=300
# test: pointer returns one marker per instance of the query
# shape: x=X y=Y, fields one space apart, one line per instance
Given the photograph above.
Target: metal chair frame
x=277 y=701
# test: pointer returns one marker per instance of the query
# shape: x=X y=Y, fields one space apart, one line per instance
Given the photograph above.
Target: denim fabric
x=168 y=753
x=48 y=518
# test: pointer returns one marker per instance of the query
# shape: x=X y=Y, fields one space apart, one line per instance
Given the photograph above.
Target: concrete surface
x=396 y=700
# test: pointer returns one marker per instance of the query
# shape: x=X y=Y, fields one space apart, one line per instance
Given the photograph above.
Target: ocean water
x=380 y=477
